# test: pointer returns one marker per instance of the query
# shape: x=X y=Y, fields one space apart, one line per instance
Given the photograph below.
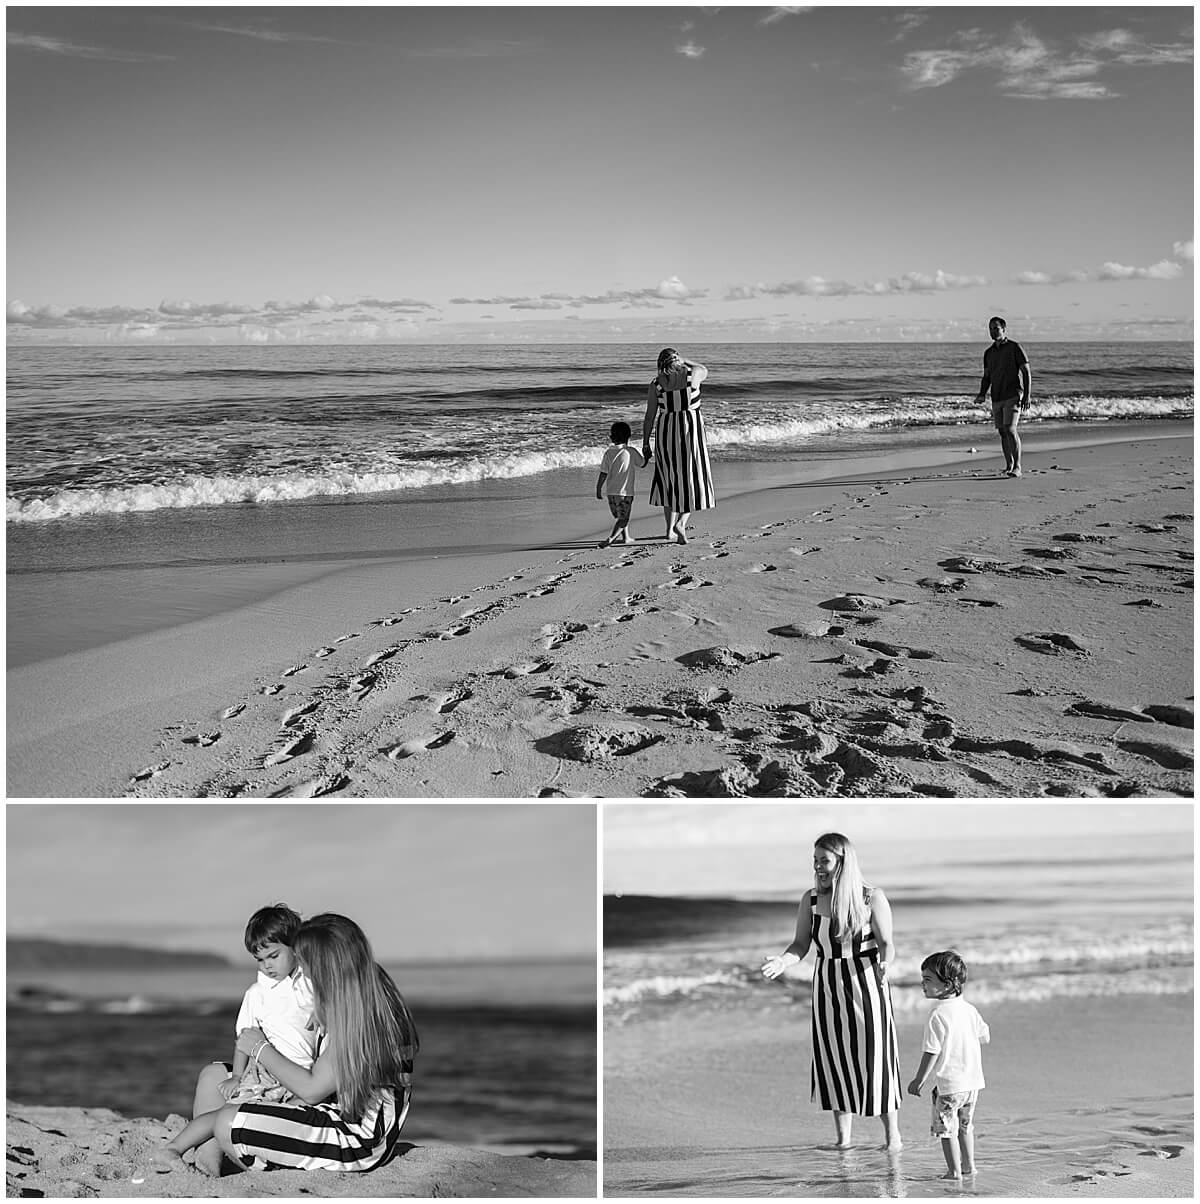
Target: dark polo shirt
x=1001 y=371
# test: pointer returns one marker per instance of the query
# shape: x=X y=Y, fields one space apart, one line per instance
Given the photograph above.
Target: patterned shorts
x=259 y=1085
x=953 y=1113
x=620 y=507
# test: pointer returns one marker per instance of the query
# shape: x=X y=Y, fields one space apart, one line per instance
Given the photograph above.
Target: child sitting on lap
x=280 y=1003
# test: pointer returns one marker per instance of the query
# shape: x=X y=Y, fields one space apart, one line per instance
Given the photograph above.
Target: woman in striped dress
x=856 y=1066
x=682 y=473
x=351 y=1104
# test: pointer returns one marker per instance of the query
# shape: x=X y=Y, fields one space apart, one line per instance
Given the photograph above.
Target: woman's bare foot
x=164 y=1160
x=951 y=1175
x=680 y=535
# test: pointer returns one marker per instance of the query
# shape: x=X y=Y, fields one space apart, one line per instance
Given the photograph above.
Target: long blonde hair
x=848 y=907
x=373 y=1039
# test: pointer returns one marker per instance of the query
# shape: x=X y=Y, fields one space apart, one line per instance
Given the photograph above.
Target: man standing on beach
x=1006 y=373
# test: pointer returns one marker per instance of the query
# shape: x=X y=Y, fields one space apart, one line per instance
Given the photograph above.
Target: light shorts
x=620 y=507
x=1006 y=413
x=953 y=1113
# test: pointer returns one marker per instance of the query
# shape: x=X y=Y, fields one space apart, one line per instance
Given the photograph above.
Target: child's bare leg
x=196 y=1132
x=966 y=1147
x=208 y=1099
x=950 y=1149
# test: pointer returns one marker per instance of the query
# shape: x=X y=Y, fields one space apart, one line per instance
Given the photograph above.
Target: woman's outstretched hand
x=773 y=967
x=248 y=1039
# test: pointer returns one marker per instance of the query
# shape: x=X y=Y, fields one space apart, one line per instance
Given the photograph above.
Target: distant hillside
x=26 y=953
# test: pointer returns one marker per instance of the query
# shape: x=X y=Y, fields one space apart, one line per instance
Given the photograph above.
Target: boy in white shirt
x=951 y=1056
x=280 y=1003
x=619 y=470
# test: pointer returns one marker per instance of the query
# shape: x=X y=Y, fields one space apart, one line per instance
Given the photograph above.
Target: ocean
x=1051 y=918
x=507 y=1061
x=96 y=432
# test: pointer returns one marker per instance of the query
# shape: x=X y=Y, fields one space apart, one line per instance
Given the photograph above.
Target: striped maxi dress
x=856 y=1065
x=319 y=1136
x=682 y=473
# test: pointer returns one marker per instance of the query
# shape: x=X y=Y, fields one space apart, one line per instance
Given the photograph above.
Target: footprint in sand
x=292 y=718
x=293 y=748
x=942 y=585
x=526 y=669
x=446 y=703
x=455 y=599
x=1173 y=715
x=724 y=658
x=389 y=622
x=410 y=748
x=761 y=568
x=1162 y=754
x=149 y=773
x=321 y=653
x=350 y=635
x=1104 y=710
x=1148 y=602
x=857 y=602
x=315 y=787
x=381 y=656
x=1052 y=643
x=362 y=685
x=203 y=739
x=686 y=582
x=451 y=633
x=273 y=689
x=714 y=556
x=293 y=670
x=236 y=709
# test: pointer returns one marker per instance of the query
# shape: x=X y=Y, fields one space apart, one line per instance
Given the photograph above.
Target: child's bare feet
x=208 y=1160
x=164 y=1160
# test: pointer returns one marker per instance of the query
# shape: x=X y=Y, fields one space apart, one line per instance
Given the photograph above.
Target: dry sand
x=924 y=629
x=77 y=1152
x=1085 y=1097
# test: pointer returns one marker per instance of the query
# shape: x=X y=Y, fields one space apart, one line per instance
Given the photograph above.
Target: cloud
x=1028 y=67
x=1184 y=250
x=673 y=288
x=670 y=289
x=690 y=50
x=1165 y=269
x=59 y=46
x=819 y=286
x=906 y=22
x=264 y=33
x=778 y=13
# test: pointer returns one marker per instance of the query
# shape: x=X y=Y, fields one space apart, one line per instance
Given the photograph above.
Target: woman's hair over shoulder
x=666 y=357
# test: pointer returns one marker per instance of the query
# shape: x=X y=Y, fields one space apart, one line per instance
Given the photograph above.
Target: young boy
x=280 y=1004
x=953 y=1035
x=619 y=470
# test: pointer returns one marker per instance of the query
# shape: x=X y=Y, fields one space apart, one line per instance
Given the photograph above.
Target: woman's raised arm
x=773 y=967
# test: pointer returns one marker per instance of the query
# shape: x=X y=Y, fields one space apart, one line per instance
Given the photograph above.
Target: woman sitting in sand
x=364 y=1069
x=856 y=1065
x=682 y=474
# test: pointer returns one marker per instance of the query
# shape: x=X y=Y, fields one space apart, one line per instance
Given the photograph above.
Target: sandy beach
x=909 y=625
x=1085 y=1098
x=87 y=1152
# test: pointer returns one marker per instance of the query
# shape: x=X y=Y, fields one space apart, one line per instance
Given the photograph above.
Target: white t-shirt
x=283 y=1009
x=954 y=1032
x=621 y=468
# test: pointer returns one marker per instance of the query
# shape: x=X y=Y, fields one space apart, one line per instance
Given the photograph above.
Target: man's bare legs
x=1010 y=442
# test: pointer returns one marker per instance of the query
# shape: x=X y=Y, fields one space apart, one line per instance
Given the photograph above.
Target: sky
x=716 y=848
x=426 y=882
x=298 y=175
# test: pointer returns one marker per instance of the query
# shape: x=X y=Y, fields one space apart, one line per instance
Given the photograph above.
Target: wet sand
x=911 y=626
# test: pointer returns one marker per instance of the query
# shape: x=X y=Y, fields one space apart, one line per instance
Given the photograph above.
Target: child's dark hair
x=949 y=967
x=276 y=925
x=620 y=432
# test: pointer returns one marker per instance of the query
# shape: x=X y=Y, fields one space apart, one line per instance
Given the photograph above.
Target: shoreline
x=717 y=1104
x=88 y=1152
x=493 y=645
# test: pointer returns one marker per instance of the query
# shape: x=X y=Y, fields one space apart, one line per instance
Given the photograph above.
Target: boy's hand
x=914 y=1088
x=228 y=1087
